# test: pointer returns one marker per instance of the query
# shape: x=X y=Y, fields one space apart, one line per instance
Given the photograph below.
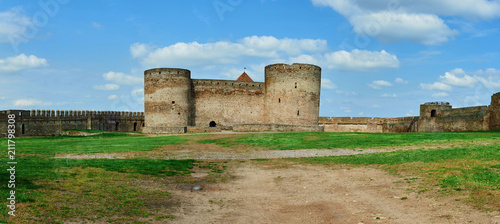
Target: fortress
x=288 y=100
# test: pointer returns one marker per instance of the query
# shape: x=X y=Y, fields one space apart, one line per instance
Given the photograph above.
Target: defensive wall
x=288 y=100
x=289 y=97
x=368 y=124
x=50 y=122
x=434 y=116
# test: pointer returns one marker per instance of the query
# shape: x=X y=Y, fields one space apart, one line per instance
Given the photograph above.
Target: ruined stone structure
x=50 y=122
x=287 y=100
x=434 y=117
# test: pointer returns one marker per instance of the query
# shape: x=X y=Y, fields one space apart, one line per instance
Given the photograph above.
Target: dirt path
x=318 y=194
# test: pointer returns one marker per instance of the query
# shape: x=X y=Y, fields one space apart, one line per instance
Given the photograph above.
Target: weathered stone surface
x=289 y=96
x=46 y=123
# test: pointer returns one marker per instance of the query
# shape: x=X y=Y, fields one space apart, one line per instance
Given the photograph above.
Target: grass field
x=465 y=165
x=329 y=140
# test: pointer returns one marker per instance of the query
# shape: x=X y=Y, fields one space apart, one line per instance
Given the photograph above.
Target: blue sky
x=379 y=58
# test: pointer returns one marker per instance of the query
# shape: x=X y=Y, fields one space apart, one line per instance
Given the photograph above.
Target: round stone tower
x=292 y=94
x=494 y=112
x=167 y=97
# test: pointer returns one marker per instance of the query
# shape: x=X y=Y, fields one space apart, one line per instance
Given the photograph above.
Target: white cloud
x=347 y=93
x=360 y=60
x=30 y=102
x=440 y=94
x=387 y=95
x=379 y=83
x=435 y=86
x=266 y=48
x=112 y=97
x=483 y=9
x=138 y=95
x=137 y=92
x=138 y=50
x=224 y=52
x=490 y=77
x=400 y=81
x=21 y=62
x=12 y=25
x=361 y=114
x=375 y=106
x=327 y=84
x=452 y=78
x=107 y=87
x=123 y=79
x=416 y=21
x=97 y=25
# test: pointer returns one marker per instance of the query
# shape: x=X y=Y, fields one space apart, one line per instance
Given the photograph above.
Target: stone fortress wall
x=434 y=117
x=288 y=100
x=50 y=122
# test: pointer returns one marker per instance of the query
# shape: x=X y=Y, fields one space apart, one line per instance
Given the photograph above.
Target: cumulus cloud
x=387 y=95
x=107 y=87
x=417 y=21
x=224 y=52
x=112 y=97
x=12 y=25
x=360 y=60
x=138 y=50
x=266 y=48
x=395 y=27
x=97 y=25
x=138 y=95
x=435 y=86
x=30 y=102
x=21 y=62
x=440 y=94
x=457 y=77
x=378 y=84
x=489 y=78
x=121 y=78
x=327 y=84
x=400 y=81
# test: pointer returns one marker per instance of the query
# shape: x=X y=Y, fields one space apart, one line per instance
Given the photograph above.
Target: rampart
x=368 y=124
x=174 y=101
x=441 y=117
x=54 y=122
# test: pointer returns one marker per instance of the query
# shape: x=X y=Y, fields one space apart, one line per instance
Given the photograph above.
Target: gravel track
x=271 y=154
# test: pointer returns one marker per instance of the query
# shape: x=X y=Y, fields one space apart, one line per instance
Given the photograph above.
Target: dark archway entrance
x=433 y=113
x=22 y=129
x=212 y=124
x=135 y=126
x=116 y=126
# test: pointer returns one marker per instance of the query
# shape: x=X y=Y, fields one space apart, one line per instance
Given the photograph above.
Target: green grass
x=473 y=171
x=329 y=140
x=105 y=142
x=97 y=186
x=112 y=190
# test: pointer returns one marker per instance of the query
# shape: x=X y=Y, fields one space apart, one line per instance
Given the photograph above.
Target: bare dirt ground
x=288 y=193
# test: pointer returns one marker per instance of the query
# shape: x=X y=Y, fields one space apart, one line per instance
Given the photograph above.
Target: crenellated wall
x=51 y=122
x=368 y=124
x=289 y=96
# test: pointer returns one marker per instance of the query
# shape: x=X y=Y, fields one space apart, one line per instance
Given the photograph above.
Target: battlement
x=228 y=84
x=437 y=103
x=173 y=72
x=70 y=113
x=295 y=67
